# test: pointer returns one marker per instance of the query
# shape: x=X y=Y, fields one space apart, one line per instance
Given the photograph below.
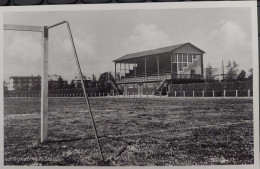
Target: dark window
x=179 y=58
x=190 y=58
x=174 y=58
x=185 y=58
x=180 y=66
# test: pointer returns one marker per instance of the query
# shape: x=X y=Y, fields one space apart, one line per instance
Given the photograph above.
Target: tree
x=209 y=73
x=232 y=70
x=72 y=84
x=5 y=88
x=250 y=74
x=60 y=83
x=241 y=76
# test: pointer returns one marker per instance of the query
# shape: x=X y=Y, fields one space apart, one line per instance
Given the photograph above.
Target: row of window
x=149 y=85
x=183 y=58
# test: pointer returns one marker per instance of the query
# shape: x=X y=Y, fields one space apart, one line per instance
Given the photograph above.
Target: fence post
x=248 y=92
x=224 y=93
x=153 y=94
x=134 y=93
x=236 y=93
x=202 y=93
x=183 y=93
x=193 y=93
x=175 y=93
x=161 y=94
x=147 y=93
x=213 y=93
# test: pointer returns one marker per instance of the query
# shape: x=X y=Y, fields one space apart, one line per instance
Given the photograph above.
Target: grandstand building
x=154 y=70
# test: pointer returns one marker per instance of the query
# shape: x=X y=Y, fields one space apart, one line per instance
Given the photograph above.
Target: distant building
x=158 y=68
x=87 y=81
x=56 y=82
x=24 y=83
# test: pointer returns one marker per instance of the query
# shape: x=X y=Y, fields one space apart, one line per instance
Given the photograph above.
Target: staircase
x=160 y=86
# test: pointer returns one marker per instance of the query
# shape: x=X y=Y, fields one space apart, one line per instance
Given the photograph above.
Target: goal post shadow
x=44 y=30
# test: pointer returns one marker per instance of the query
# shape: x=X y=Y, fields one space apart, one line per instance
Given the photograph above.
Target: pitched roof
x=25 y=77
x=153 y=52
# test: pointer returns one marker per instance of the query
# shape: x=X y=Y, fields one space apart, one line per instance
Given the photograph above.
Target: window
x=174 y=58
x=185 y=58
x=150 y=85
x=130 y=85
x=179 y=58
x=189 y=58
x=180 y=66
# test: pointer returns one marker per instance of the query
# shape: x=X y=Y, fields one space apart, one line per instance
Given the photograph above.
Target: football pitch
x=132 y=131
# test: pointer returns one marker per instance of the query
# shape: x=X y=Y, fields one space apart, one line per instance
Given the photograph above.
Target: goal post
x=44 y=80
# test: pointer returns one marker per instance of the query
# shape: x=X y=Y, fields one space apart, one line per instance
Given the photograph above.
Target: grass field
x=132 y=131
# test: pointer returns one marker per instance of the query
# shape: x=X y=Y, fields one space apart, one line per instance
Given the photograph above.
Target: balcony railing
x=159 y=78
x=186 y=76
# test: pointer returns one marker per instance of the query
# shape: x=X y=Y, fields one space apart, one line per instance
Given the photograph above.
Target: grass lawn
x=132 y=131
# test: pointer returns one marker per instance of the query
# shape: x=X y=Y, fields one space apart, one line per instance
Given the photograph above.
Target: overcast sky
x=102 y=36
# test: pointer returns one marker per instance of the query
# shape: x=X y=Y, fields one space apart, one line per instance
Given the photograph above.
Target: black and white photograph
x=171 y=84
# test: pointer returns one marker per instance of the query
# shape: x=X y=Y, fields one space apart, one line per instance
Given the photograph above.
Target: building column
x=115 y=70
x=134 y=69
x=171 y=64
x=120 y=72
x=158 y=65
x=125 y=69
x=202 y=68
x=145 y=59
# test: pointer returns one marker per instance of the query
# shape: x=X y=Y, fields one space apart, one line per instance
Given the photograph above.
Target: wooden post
x=134 y=93
x=213 y=93
x=224 y=93
x=192 y=93
x=236 y=93
x=183 y=93
x=145 y=67
x=175 y=94
x=44 y=87
x=202 y=93
x=248 y=92
x=135 y=68
x=115 y=70
x=158 y=65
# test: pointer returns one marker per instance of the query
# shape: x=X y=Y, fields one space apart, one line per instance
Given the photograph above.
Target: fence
x=213 y=93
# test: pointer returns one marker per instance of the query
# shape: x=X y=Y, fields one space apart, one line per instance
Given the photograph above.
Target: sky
x=102 y=36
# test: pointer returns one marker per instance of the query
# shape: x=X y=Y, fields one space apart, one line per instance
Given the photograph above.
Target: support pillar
x=125 y=69
x=135 y=68
x=158 y=65
x=115 y=70
x=44 y=86
x=145 y=59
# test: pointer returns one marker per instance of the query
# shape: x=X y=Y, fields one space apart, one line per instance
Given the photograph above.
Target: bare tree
x=232 y=71
x=209 y=73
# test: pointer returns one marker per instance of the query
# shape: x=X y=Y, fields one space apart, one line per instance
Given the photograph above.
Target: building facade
x=24 y=83
x=154 y=69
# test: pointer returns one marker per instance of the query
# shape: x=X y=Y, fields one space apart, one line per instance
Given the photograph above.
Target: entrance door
x=192 y=73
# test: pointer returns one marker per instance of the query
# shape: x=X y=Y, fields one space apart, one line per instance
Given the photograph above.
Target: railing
x=213 y=93
x=186 y=76
x=142 y=79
